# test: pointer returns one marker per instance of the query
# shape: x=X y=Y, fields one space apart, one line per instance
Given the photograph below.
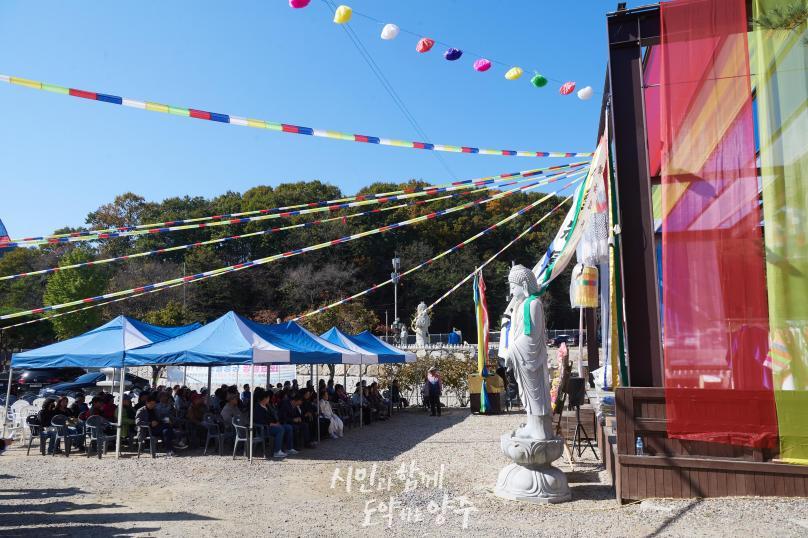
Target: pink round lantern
x=482 y=65
x=297 y=4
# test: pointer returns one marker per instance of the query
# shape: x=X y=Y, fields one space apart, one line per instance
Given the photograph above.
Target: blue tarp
x=102 y=347
x=232 y=339
x=372 y=349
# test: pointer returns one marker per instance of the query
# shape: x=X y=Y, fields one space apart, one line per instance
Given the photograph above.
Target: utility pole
x=395 y=276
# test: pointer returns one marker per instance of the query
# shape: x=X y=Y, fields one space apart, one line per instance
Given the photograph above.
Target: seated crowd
x=287 y=416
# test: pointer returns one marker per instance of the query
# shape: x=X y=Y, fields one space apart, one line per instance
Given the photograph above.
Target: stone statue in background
x=532 y=447
x=420 y=324
x=404 y=335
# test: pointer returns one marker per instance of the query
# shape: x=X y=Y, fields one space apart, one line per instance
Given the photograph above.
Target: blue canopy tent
x=372 y=349
x=233 y=340
x=102 y=347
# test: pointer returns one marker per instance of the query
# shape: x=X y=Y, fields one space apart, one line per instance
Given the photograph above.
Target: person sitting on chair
x=267 y=416
x=46 y=415
x=335 y=425
x=147 y=416
x=291 y=414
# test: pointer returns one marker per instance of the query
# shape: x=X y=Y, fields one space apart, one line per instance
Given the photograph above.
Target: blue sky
x=63 y=157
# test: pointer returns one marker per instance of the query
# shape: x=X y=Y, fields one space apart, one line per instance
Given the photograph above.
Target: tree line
x=288 y=287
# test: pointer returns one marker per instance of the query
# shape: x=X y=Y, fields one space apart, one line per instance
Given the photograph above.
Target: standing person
x=434 y=387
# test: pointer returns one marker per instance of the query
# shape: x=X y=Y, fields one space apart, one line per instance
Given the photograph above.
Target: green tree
x=171 y=315
x=71 y=285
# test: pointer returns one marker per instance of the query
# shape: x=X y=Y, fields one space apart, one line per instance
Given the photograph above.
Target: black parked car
x=34 y=379
x=569 y=339
x=87 y=384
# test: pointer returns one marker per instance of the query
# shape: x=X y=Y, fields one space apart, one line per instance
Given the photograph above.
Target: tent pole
x=361 y=394
x=8 y=397
x=345 y=376
x=252 y=408
x=210 y=371
x=184 y=376
x=581 y=343
x=120 y=415
x=268 y=387
x=317 y=395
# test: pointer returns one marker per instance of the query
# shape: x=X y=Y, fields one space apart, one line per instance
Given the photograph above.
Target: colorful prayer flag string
x=274 y=126
x=451 y=250
x=492 y=258
x=381 y=197
x=269 y=259
x=343 y=218
x=342 y=301
x=243 y=220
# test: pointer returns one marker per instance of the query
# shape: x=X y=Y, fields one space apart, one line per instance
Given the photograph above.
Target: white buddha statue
x=526 y=353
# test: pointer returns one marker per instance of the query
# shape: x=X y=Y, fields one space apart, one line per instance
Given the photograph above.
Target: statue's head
x=523 y=281
x=421 y=307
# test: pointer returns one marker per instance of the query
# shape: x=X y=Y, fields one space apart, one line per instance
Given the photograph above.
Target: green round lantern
x=538 y=80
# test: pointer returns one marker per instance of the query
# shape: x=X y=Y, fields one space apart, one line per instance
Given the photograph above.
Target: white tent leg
x=120 y=416
x=252 y=409
x=345 y=376
x=268 y=387
x=317 y=401
x=184 y=376
x=8 y=397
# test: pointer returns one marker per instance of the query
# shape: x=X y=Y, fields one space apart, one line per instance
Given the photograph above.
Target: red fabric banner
x=718 y=386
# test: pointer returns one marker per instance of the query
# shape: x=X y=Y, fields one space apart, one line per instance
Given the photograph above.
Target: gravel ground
x=215 y=496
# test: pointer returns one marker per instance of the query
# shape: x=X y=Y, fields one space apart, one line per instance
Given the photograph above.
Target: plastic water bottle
x=639 y=447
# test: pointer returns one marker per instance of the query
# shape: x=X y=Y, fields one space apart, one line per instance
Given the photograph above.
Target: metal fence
x=442 y=339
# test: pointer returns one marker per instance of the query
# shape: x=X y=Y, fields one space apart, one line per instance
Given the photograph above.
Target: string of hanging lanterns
x=343 y=14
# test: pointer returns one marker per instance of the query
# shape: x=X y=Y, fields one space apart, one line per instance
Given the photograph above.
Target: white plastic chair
x=38 y=402
x=18 y=424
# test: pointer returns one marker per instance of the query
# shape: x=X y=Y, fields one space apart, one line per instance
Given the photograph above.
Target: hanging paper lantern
x=390 y=31
x=584 y=287
x=538 y=80
x=297 y=4
x=514 y=73
x=585 y=93
x=453 y=54
x=342 y=14
x=482 y=65
x=567 y=88
x=424 y=44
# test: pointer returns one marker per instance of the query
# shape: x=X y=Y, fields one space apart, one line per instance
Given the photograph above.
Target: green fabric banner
x=779 y=61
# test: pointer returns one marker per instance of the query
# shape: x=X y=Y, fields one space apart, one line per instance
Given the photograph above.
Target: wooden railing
x=688 y=469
